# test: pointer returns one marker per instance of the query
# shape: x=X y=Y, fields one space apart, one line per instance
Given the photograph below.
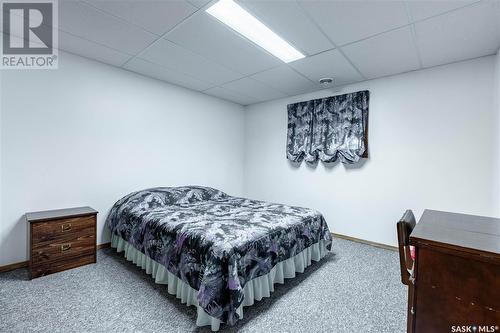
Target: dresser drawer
x=42 y=269
x=62 y=229
x=63 y=249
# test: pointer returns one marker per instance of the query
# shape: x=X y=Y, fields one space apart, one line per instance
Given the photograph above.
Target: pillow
x=164 y=196
x=192 y=194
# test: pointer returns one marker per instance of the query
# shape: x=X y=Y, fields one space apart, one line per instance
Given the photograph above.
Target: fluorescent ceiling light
x=238 y=19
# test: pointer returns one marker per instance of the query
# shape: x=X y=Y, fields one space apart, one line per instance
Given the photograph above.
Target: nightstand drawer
x=63 y=249
x=38 y=270
x=62 y=229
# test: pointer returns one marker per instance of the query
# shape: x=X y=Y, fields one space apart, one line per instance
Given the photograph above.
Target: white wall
x=88 y=133
x=432 y=145
x=496 y=94
x=1 y=159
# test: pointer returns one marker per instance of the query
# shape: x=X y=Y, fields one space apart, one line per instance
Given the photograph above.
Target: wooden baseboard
x=16 y=265
x=382 y=246
x=103 y=246
x=23 y=264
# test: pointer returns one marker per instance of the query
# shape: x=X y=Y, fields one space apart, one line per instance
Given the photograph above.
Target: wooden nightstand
x=61 y=239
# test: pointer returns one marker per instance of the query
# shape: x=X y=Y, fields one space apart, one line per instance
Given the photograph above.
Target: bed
x=215 y=251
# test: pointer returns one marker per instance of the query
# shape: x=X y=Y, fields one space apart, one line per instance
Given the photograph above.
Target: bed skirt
x=254 y=290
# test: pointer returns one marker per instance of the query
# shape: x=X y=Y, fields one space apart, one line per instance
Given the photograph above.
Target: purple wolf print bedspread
x=214 y=242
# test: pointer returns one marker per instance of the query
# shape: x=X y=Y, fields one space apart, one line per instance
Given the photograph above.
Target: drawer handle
x=65 y=247
x=66 y=227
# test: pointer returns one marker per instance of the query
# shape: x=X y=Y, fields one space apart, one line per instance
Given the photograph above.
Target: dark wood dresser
x=457 y=275
x=61 y=239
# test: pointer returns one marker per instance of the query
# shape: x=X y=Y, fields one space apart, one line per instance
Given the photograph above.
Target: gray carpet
x=357 y=288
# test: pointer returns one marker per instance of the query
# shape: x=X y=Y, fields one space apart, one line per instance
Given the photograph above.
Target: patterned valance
x=329 y=128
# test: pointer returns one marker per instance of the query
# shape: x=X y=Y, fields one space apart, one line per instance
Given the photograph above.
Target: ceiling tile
x=252 y=88
x=91 y=50
x=230 y=96
x=289 y=21
x=349 y=21
x=199 y=3
x=422 y=9
x=155 y=16
x=285 y=79
x=167 y=54
x=466 y=33
x=165 y=74
x=328 y=64
x=82 y=20
x=213 y=40
x=386 y=54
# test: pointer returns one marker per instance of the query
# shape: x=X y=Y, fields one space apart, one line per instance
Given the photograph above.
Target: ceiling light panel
x=238 y=19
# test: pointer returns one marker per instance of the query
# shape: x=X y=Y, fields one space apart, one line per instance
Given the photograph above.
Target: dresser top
x=466 y=233
x=59 y=214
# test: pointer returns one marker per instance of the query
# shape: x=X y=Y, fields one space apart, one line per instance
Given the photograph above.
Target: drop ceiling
x=351 y=41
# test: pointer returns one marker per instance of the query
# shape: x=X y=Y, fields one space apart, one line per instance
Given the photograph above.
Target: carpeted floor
x=356 y=288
